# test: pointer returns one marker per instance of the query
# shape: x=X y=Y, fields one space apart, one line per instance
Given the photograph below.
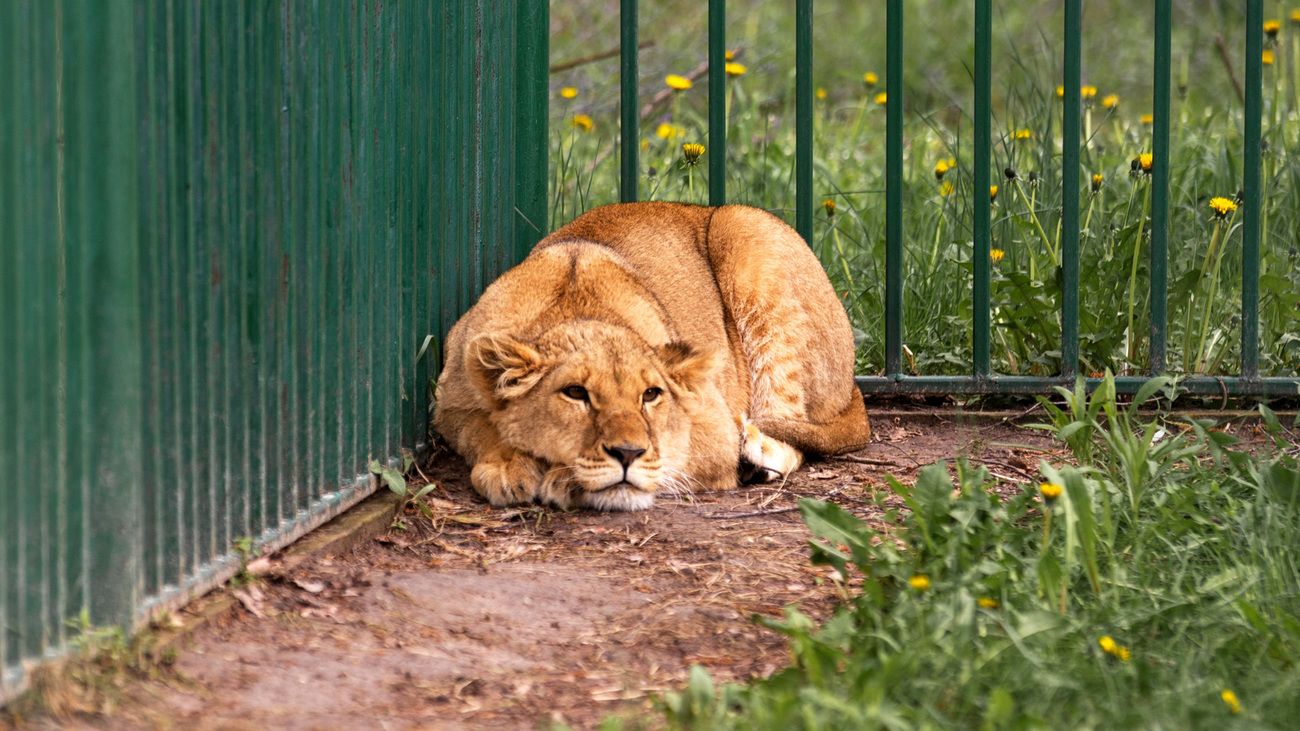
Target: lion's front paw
x=764 y=459
x=510 y=482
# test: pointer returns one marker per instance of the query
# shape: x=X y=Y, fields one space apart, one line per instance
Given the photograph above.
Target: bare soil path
x=490 y=618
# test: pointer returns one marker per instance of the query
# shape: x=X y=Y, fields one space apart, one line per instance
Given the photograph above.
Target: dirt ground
x=490 y=618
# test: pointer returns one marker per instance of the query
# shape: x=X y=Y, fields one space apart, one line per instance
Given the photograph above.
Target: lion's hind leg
x=764 y=459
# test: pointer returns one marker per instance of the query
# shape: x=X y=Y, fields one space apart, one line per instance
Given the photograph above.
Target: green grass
x=1206 y=139
x=1163 y=575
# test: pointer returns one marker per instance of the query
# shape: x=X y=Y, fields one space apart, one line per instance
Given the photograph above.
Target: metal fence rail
x=225 y=231
x=982 y=380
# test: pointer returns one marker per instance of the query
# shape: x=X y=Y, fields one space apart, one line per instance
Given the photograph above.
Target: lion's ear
x=689 y=367
x=501 y=367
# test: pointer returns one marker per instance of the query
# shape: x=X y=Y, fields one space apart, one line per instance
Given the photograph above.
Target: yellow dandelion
x=680 y=83
x=920 y=582
x=1295 y=16
x=1096 y=182
x=1107 y=644
x=1024 y=134
x=993 y=193
x=870 y=78
x=735 y=69
x=945 y=189
x=1110 y=101
x=1231 y=699
x=730 y=55
x=582 y=122
x=1223 y=206
x=1148 y=119
x=1267 y=57
x=1060 y=92
x=996 y=255
x=1271 y=28
x=1145 y=160
x=568 y=92
x=821 y=93
x=667 y=131
x=692 y=151
x=1051 y=491
x=1122 y=653
x=829 y=205
x=987 y=603
x=881 y=98
x=1087 y=93
x=941 y=168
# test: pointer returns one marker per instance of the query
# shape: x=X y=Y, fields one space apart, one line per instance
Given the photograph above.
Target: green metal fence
x=225 y=231
x=982 y=380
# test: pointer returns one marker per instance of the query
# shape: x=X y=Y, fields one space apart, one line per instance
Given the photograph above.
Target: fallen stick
x=863 y=460
x=566 y=65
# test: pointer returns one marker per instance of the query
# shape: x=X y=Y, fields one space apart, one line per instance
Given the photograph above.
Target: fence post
x=717 y=102
x=1160 y=191
x=630 y=119
x=1251 y=186
x=1070 y=192
x=803 y=120
x=532 y=83
x=980 y=321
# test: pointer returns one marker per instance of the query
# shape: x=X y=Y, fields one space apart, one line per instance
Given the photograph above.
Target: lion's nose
x=625 y=454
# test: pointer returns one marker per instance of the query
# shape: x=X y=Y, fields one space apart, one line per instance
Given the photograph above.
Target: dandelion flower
x=945 y=189
x=735 y=69
x=730 y=55
x=1051 y=492
x=1142 y=164
x=1096 y=182
x=1024 y=134
x=1122 y=653
x=920 y=582
x=1060 y=92
x=1110 y=101
x=1087 y=93
x=829 y=205
x=1231 y=699
x=993 y=193
x=667 y=131
x=1107 y=644
x=692 y=151
x=996 y=255
x=1148 y=119
x=582 y=122
x=881 y=98
x=821 y=93
x=984 y=601
x=680 y=83
x=568 y=92
x=870 y=78
x=1267 y=58
x=1271 y=28
x=1295 y=16
x=1222 y=206
x=941 y=168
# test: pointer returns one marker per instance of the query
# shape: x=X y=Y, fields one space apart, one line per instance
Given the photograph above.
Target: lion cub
x=650 y=347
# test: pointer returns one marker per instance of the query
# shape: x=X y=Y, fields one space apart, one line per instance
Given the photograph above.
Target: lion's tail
x=847 y=431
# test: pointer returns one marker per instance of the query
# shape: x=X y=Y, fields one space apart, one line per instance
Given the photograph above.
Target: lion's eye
x=651 y=394
x=577 y=393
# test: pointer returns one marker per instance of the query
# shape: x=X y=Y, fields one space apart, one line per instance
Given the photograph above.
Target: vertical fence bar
x=1160 y=190
x=803 y=115
x=532 y=26
x=1251 y=184
x=980 y=180
x=717 y=102
x=894 y=188
x=630 y=123
x=1070 y=191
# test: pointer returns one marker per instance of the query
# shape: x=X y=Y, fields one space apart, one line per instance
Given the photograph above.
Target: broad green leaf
x=391 y=477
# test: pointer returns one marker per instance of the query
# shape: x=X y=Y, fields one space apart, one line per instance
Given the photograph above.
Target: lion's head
x=609 y=414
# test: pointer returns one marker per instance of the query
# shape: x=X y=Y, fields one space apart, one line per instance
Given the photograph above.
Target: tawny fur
x=710 y=338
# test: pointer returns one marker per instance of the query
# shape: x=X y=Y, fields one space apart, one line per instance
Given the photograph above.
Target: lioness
x=647 y=347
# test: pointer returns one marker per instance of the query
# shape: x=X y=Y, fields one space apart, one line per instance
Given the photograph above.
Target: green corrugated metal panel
x=225 y=231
